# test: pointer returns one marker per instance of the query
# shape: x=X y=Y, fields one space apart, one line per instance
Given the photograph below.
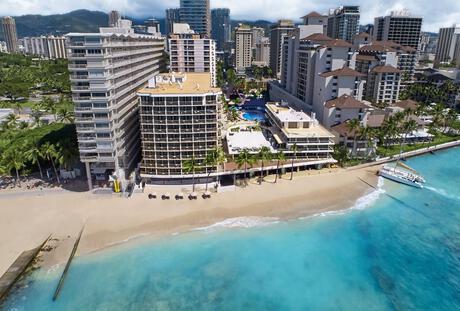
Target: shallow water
x=397 y=249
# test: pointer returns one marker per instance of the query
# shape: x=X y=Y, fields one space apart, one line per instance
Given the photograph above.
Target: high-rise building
x=257 y=35
x=106 y=70
x=153 y=26
x=10 y=34
x=278 y=32
x=221 y=28
x=172 y=17
x=243 y=47
x=114 y=18
x=448 y=47
x=398 y=27
x=262 y=54
x=190 y=52
x=45 y=46
x=196 y=13
x=314 y=18
x=179 y=122
x=343 y=23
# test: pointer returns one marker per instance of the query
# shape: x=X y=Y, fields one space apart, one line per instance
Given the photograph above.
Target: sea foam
x=241 y=222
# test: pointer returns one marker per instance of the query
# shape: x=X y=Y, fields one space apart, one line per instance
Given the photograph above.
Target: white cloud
x=440 y=13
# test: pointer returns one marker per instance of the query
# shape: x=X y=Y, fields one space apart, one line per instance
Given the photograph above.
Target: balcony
x=82 y=109
x=79 y=77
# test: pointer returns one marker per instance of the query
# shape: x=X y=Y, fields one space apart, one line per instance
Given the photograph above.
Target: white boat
x=403 y=174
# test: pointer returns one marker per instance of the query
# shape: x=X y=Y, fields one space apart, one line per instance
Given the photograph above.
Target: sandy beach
x=27 y=218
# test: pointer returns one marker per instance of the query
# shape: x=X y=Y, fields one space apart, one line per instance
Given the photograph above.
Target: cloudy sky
x=436 y=14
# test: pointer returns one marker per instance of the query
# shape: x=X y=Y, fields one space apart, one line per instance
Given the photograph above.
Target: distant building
x=203 y=58
x=399 y=27
x=153 y=26
x=196 y=13
x=448 y=48
x=10 y=34
x=278 y=32
x=262 y=52
x=114 y=18
x=314 y=18
x=221 y=27
x=343 y=23
x=3 y=48
x=50 y=47
x=257 y=35
x=172 y=17
x=179 y=122
x=106 y=70
x=243 y=47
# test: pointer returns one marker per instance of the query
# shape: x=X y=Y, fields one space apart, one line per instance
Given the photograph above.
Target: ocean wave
x=369 y=199
x=241 y=222
x=443 y=193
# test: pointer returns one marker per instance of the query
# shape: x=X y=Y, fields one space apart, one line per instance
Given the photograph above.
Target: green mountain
x=60 y=24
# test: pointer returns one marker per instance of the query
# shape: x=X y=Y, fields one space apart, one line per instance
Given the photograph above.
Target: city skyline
x=443 y=13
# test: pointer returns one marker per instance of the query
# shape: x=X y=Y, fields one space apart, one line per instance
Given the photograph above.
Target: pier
x=17 y=269
x=67 y=266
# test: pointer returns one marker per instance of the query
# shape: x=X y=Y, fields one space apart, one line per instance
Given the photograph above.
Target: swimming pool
x=252 y=115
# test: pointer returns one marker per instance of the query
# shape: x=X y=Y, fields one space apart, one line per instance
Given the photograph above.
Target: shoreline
x=111 y=221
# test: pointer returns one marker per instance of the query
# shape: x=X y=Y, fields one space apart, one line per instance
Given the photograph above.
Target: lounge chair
x=152 y=196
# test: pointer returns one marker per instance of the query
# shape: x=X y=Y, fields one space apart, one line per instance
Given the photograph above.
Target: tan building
x=243 y=47
x=10 y=34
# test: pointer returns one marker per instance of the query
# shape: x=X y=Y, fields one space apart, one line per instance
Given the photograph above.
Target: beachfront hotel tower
x=106 y=69
x=10 y=34
x=179 y=116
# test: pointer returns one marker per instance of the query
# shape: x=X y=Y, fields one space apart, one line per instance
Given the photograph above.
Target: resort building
x=243 y=47
x=383 y=84
x=344 y=108
x=179 y=122
x=106 y=69
x=190 y=52
x=50 y=47
x=282 y=29
x=10 y=34
x=343 y=23
x=196 y=13
x=399 y=27
x=221 y=27
x=448 y=47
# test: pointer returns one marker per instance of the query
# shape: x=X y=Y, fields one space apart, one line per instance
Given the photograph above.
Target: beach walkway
x=19 y=266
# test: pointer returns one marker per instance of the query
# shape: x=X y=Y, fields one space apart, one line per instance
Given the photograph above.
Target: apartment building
x=383 y=84
x=343 y=23
x=179 y=121
x=106 y=69
x=50 y=47
x=221 y=27
x=190 y=52
x=262 y=52
x=10 y=34
x=399 y=27
x=278 y=33
x=243 y=47
x=196 y=13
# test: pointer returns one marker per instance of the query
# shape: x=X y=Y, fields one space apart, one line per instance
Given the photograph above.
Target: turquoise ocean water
x=397 y=249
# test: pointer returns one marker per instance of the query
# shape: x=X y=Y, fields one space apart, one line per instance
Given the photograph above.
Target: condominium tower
x=50 y=47
x=10 y=34
x=398 y=27
x=221 y=28
x=448 y=47
x=106 y=69
x=278 y=32
x=197 y=14
x=343 y=23
x=243 y=47
x=172 y=17
x=179 y=122
x=190 y=52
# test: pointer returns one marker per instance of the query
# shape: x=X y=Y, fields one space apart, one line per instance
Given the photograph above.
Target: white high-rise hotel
x=106 y=69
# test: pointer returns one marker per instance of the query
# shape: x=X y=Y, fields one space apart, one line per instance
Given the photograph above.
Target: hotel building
x=278 y=32
x=196 y=13
x=190 y=52
x=10 y=34
x=221 y=27
x=106 y=69
x=448 y=47
x=50 y=47
x=243 y=47
x=343 y=23
x=179 y=121
x=398 y=27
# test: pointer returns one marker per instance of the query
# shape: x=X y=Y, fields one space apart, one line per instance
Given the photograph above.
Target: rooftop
x=385 y=69
x=346 y=101
x=287 y=114
x=312 y=14
x=180 y=84
x=251 y=140
x=342 y=72
x=407 y=104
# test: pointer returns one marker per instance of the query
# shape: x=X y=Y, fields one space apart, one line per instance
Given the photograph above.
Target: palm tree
x=64 y=115
x=190 y=166
x=12 y=120
x=245 y=159
x=438 y=115
x=407 y=128
x=214 y=158
x=354 y=126
x=34 y=155
x=14 y=159
x=281 y=157
x=50 y=153
x=294 y=150
x=263 y=155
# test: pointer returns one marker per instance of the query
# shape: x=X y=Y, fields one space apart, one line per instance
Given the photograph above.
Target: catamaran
x=403 y=174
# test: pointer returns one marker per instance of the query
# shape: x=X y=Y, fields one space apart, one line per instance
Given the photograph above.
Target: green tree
x=294 y=150
x=263 y=156
x=190 y=167
x=354 y=126
x=280 y=157
x=245 y=159
x=215 y=157
x=34 y=155
x=341 y=154
x=65 y=115
x=14 y=159
x=50 y=153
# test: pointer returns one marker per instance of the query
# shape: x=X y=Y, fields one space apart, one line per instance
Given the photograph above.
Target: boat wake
x=241 y=222
x=443 y=193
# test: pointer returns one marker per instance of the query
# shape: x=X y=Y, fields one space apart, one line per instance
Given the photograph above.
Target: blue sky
x=440 y=13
